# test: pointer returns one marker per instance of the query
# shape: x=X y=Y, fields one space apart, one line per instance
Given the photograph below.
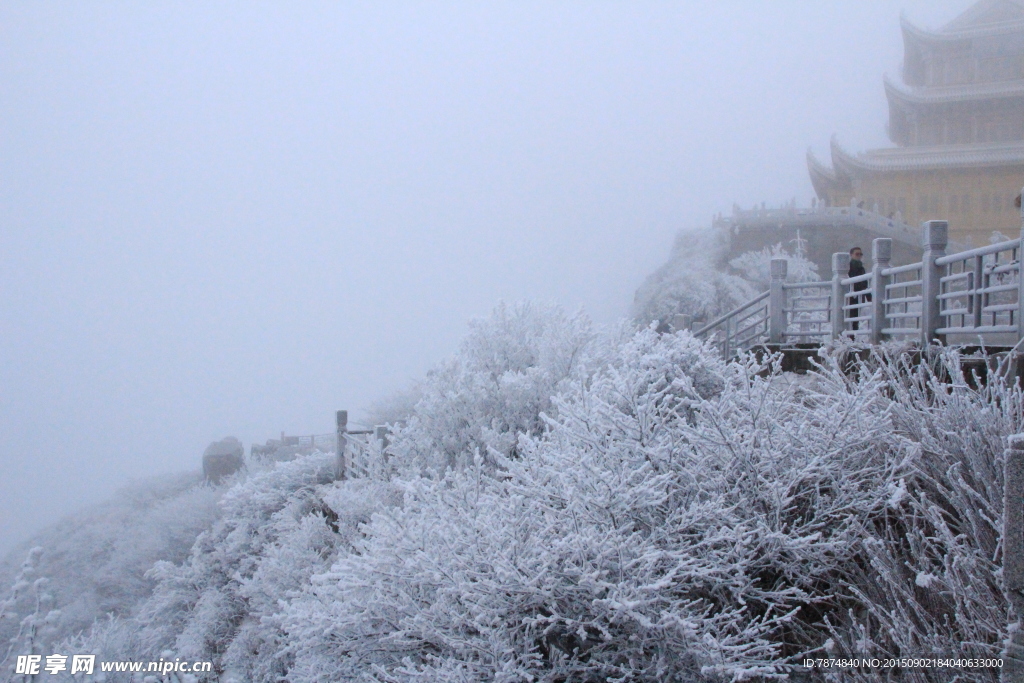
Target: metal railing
x=807 y=311
x=902 y=301
x=739 y=329
x=856 y=309
x=975 y=292
x=980 y=290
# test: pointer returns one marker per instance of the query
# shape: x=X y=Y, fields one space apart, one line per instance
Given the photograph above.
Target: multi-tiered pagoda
x=957 y=119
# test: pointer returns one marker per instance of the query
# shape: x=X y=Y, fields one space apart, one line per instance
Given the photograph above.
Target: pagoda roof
x=818 y=168
x=986 y=17
x=926 y=158
x=986 y=13
x=952 y=93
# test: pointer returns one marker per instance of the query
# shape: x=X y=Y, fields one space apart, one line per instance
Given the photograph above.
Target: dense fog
x=236 y=219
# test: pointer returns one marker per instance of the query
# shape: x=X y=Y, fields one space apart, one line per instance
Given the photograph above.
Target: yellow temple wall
x=996 y=123
x=976 y=202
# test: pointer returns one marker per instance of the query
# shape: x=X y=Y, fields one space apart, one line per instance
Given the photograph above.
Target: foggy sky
x=238 y=218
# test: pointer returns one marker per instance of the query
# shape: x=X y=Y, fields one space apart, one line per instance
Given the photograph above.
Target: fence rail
x=807 y=310
x=970 y=293
x=741 y=328
x=980 y=289
x=290 y=445
x=361 y=453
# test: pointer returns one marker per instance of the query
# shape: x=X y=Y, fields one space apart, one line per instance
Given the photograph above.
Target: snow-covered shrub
x=97 y=561
x=697 y=280
x=929 y=578
x=277 y=529
x=111 y=639
x=755 y=266
x=495 y=387
x=694 y=281
x=396 y=408
x=684 y=519
x=620 y=544
x=29 y=607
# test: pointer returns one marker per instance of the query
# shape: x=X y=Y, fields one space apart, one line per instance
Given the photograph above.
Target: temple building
x=957 y=120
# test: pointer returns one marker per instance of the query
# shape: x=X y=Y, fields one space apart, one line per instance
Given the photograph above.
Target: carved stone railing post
x=1013 y=557
x=936 y=235
x=840 y=271
x=777 y=301
x=881 y=254
x=340 y=464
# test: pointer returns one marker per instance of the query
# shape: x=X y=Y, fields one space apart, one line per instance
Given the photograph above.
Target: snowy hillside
x=95 y=564
x=568 y=506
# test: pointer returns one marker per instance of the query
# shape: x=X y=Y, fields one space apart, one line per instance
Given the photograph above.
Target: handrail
x=806 y=285
x=866 y=277
x=734 y=312
x=980 y=251
x=984 y=294
x=902 y=269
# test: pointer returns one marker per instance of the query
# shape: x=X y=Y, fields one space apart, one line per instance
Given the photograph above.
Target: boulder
x=223 y=458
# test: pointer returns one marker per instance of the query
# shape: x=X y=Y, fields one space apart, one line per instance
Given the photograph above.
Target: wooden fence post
x=380 y=433
x=840 y=271
x=340 y=465
x=1013 y=557
x=881 y=254
x=777 y=301
x=936 y=235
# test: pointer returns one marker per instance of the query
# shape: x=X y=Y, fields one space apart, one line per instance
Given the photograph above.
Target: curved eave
x=925 y=37
x=823 y=178
x=843 y=162
x=942 y=157
x=907 y=98
x=944 y=38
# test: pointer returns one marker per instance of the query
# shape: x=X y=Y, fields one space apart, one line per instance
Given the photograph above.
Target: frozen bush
x=97 y=561
x=685 y=519
x=495 y=388
x=277 y=529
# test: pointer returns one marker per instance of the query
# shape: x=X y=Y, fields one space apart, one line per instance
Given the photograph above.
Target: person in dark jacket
x=857 y=268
